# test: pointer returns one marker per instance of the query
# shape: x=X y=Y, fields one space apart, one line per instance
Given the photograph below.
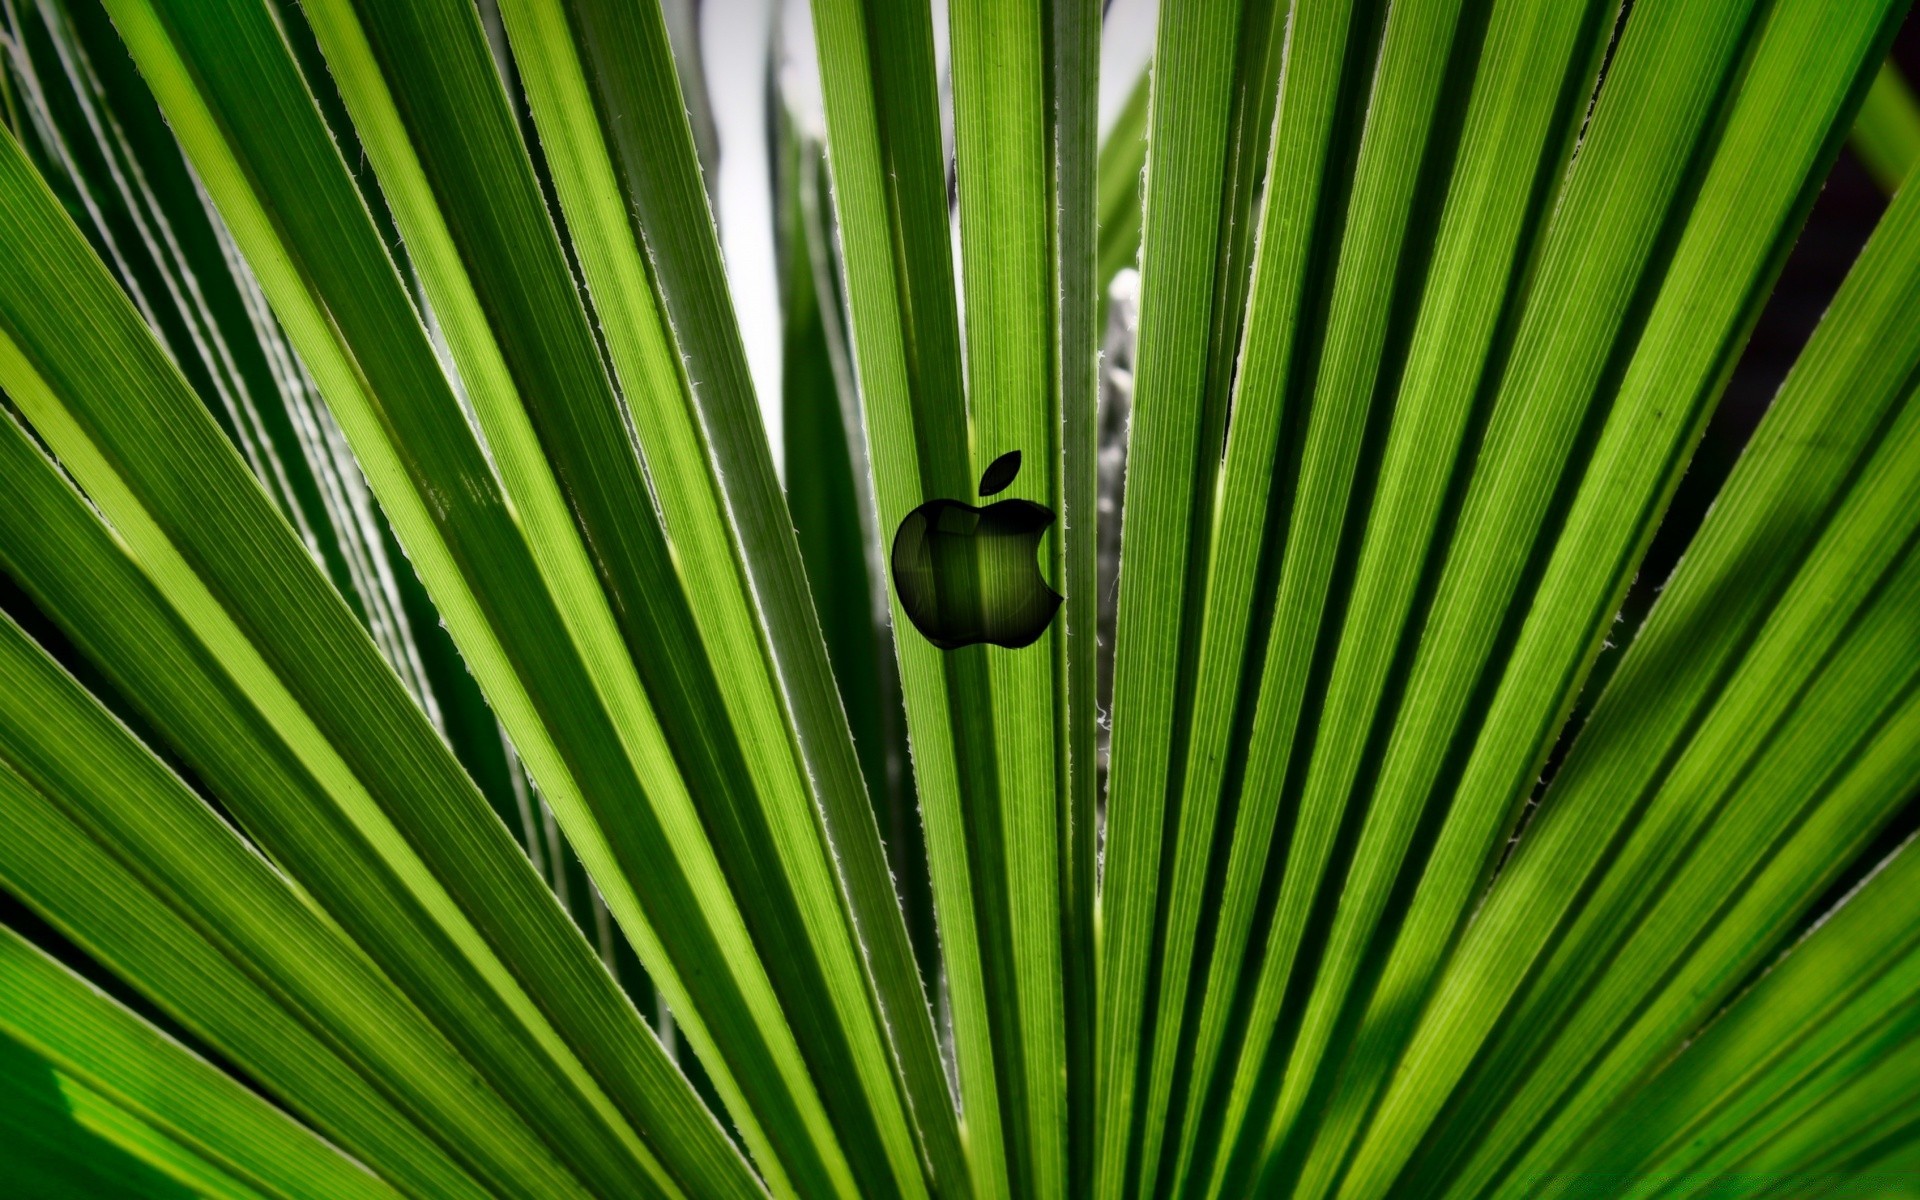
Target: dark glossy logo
x=967 y=575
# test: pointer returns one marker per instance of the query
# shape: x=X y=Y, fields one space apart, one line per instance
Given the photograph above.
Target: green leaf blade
x=1207 y=138
x=84 y=1032
x=652 y=263
x=1761 y=530
x=446 y=504
x=84 y=795
x=885 y=156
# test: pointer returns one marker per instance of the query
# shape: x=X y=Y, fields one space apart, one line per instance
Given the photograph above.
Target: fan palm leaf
x=443 y=752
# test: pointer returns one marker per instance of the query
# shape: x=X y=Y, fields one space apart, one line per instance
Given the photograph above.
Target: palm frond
x=425 y=707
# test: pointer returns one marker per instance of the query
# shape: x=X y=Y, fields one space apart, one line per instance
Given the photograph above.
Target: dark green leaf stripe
x=1072 y=35
x=827 y=472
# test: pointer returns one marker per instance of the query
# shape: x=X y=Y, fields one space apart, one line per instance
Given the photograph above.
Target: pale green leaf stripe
x=1842 y=1007
x=1074 y=92
x=526 y=610
x=110 y=1050
x=1856 y=624
x=103 y=395
x=1029 y=349
x=1777 y=505
x=889 y=190
x=1886 y=134
x=84 y=800
x=630 y=188
x=1170 y=467
x=1543 y=426
x=472 y=213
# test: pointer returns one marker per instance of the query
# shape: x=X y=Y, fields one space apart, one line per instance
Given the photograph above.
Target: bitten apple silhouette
x=967 y=575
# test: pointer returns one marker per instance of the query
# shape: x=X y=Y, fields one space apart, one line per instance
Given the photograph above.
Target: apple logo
x=968 y=575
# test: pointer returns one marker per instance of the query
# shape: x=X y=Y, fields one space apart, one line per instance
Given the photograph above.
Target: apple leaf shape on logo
x=967 y=575
x=999 y=473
